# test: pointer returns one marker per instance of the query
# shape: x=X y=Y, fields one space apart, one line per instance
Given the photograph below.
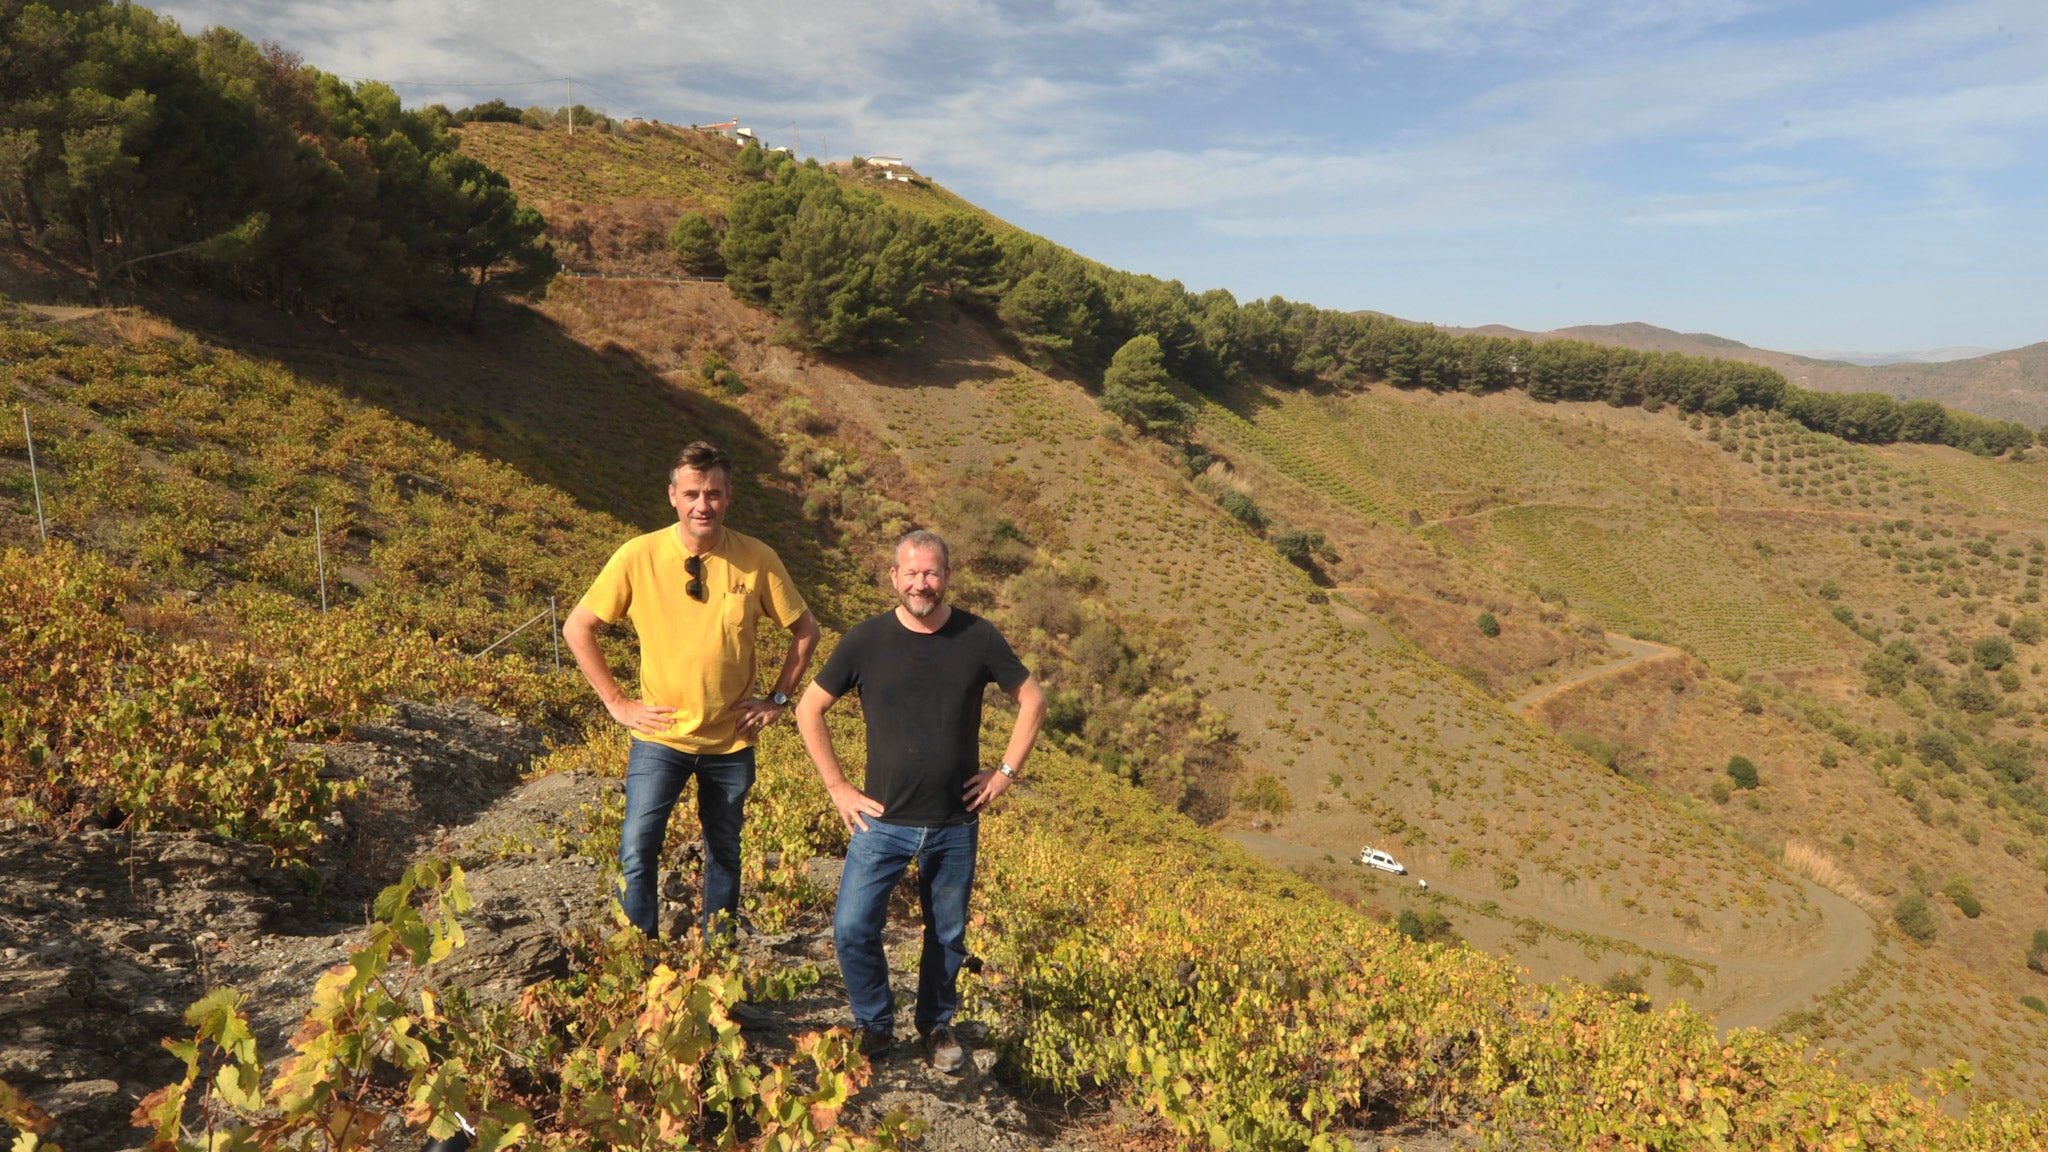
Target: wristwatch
x=778 y=699
x=1007 y=771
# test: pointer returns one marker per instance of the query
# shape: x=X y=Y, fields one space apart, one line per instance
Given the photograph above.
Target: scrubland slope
x=1132 y=953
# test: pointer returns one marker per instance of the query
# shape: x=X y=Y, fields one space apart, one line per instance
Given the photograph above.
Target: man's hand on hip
x=984 y=787
x=640 y=716
x=757 y=714
x=855 y=806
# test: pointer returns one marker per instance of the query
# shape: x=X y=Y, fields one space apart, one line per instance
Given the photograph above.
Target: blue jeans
x=655 y=776
x=875 y=861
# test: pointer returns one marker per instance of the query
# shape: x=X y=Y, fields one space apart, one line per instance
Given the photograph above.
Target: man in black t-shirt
x=920 y=669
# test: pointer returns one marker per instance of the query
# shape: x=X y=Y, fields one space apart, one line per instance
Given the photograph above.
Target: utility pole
x=795 y=150
x=569 y=92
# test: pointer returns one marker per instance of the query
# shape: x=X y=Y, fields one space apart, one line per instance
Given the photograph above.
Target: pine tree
x=695 y=244
x=1138 y=390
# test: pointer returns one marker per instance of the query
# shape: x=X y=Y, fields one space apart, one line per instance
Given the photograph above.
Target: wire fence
x=319 y=558
x=35 y=477
x=554 y=630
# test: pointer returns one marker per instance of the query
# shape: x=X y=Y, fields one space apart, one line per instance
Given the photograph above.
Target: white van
x=1374 y=858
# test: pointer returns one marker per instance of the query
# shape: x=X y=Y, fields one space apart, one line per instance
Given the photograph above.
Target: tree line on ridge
x=846 y=272
x=137 y=150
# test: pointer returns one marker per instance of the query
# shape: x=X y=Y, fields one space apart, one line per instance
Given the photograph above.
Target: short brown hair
x=701 y=456
x=924 y=540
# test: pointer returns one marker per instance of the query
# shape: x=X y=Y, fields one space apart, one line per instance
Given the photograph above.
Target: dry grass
x=1819 y=867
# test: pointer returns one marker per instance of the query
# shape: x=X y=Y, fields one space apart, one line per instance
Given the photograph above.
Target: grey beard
x=929 y=608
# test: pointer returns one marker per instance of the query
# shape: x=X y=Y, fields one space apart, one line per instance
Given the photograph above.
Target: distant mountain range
x=2007 y=385
x=1873 y=359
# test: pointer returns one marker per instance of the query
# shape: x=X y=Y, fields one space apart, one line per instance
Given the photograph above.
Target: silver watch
x=778 y=699
x=1006 y=770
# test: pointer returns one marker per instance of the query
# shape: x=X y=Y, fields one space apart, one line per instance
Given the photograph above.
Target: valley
x=1717 y=737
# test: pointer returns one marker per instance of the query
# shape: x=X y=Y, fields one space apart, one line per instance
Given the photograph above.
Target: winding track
x=1638 y=652
x=1758 y=990
x=1764 y=988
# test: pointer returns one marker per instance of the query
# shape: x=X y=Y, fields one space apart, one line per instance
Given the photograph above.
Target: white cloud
x=1974 y=126
x=1541 y=27
x=1057 y=108
x=1726 y=208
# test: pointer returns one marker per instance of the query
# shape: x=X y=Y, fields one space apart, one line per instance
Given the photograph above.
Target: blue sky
x=1799 y=175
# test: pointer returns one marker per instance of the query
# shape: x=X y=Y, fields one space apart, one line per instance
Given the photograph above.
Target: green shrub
x=1742 y=771
x=1992 y=652
x=979 y=532
x=1429 y=926
x=1974 y=693
x=2028 y=630
x=1300 y=548
x=1264 y=792
x=1489 y=625
x=719 y=374
x=1935 y=746
x=1065 y=712
x=1964 y=895
x=1242 y=508
x=1829 y=590
x=1605 y=753
x=2036 y=1003
x=1914 y=916
x=1039 y=599
x=1719 y=791
x=1628 y=986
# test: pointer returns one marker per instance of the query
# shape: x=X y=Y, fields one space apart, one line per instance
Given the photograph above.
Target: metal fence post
x=320 y=554
x=35 y=478
x=555 y=633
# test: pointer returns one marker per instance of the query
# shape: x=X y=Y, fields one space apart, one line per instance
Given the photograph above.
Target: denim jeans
x=655 y=776
x=875 y=861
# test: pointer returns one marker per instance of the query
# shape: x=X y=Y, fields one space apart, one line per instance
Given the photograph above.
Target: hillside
x=1441 y=506
x=1300 y=708
x=2008 y=385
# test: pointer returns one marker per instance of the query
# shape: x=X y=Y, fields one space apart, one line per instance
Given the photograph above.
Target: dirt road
x=1744 y=991
x=1638 y=652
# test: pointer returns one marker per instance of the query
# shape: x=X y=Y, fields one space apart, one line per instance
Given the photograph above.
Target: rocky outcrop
x=106 y=936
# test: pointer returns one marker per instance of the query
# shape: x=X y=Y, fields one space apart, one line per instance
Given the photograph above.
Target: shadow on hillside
x=954 y=347
x=600 y=424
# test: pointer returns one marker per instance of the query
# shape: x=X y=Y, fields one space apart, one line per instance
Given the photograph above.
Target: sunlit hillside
x=1366 y=690
x=1313 y=619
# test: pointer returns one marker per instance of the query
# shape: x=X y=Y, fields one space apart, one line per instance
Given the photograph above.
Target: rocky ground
x=106 y=936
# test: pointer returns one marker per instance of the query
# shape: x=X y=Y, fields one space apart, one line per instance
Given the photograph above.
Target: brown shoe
x=944 y=1050
x=876 y=1042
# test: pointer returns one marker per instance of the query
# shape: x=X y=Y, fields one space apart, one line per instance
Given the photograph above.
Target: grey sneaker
x=944 y=1050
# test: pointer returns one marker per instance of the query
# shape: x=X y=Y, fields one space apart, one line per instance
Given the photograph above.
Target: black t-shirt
x=920 y=694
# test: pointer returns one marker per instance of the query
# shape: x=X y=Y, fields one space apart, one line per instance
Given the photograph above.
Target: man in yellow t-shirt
x=695 y=592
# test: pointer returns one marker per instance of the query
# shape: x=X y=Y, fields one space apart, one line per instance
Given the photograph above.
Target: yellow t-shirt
x=696 y=657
